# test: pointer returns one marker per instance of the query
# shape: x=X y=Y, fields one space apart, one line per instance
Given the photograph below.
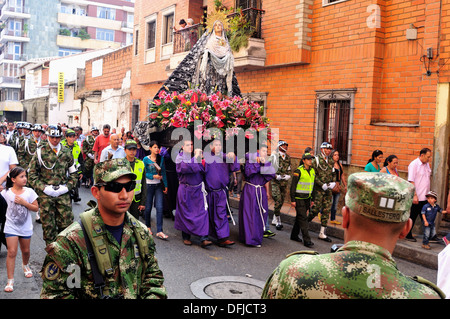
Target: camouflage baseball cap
x=112 y=169
x=130 y=144
x=379 y=196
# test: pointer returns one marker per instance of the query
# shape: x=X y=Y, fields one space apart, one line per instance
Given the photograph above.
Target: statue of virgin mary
x=209 y=66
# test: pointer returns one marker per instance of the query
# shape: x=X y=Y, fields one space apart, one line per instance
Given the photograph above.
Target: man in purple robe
x=192 y=209
x=253 y=206
x=218 y=166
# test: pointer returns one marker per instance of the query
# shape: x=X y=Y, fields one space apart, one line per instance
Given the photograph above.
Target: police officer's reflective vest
x=305 y=183
x=139 y=171
x=76 y=151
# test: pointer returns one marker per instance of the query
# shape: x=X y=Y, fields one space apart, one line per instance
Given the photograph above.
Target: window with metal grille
x=334 y=121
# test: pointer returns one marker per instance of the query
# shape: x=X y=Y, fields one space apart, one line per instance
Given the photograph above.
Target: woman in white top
x=21 y=202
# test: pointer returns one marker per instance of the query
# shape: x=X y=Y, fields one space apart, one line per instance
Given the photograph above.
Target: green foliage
x=240 y=31
x=65 y=32
x=83 y=35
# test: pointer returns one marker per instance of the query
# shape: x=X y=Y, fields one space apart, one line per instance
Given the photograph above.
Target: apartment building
x=49 y=28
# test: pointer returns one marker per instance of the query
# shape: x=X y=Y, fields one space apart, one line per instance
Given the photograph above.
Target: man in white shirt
x=114 y=148
x=8 y=160
x=419 y=174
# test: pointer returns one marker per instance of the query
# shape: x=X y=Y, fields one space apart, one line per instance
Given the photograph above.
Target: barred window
x=334 y=121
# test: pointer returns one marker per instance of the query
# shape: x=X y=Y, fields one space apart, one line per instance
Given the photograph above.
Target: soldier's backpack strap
x=98 y=242
x=431 y=285
x=303 y=252
x=99 y=281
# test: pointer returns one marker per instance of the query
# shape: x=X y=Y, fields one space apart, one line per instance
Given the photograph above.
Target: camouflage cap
x=379 y=196
x=130 y=144
x=112 y=169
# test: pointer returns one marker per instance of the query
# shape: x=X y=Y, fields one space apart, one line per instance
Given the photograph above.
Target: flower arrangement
x=192 y=107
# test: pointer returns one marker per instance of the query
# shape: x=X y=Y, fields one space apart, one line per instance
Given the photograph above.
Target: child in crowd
x=429 y=212
x=19 y=226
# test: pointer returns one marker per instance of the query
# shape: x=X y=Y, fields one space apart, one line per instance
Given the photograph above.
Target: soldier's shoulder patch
x=303 y=252
x=51 y=271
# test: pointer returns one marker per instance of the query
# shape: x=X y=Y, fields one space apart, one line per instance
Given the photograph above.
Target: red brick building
x=363 y=75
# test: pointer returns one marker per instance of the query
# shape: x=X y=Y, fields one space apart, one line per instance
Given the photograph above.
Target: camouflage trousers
x=322 y=204
x=279 y=190
x=56 y=214
x=88 y=167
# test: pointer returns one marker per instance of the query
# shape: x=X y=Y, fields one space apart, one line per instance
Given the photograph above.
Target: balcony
x=9 y=82
x=13 y=57
x=250 y=57
x=14 y=35
x=78 y=21
x=78 y=43
x=14 y=13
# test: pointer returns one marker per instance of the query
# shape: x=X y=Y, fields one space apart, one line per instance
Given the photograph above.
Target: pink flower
x=157 y=102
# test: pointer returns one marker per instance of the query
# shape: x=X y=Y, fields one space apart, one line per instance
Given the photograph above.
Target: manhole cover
x=227 y=287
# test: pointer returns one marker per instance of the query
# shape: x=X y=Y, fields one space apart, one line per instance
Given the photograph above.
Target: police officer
x=139 y=199
x=71 y=143
x=301 y=190
x=87 y=149
x=37 y=132
x=323 y=185
x=280 y=183
x=26 y=146
x=376 y=216
x=52 y=174
x=124 y=265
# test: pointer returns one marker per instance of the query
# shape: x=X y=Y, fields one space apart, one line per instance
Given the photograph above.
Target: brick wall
x=115 y=66
x=148 y=78
x=395 y=101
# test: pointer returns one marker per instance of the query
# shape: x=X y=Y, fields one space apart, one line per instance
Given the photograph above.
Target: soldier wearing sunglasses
x=108 y=253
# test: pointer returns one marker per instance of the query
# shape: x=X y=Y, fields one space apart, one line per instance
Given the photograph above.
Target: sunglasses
x=116 y=187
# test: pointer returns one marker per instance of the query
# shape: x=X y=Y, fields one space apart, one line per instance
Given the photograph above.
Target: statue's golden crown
x=217 y=15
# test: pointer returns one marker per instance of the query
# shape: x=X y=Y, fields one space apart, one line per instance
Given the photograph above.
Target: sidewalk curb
x=403 y=249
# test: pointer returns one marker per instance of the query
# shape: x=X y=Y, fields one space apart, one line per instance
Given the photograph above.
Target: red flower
x=165 y=113
x=249 y=135
x=153 y=115
x=248 y=113
x=194 y=98
x=157 y=102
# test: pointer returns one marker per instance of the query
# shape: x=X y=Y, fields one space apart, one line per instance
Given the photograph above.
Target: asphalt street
x=193 y=272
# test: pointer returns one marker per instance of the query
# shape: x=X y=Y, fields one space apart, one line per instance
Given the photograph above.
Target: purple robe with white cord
x=191 y=214
x=253 y=206
x=217 y=178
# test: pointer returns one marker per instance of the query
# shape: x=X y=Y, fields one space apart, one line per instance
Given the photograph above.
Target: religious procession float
x=202 y=98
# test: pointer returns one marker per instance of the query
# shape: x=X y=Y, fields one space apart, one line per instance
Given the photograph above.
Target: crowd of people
x=42 y=167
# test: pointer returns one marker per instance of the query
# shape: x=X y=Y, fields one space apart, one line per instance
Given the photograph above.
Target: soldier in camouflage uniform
x=133 y=270
x=52 y=174
x=280 y=183
x=14 y=140
x=376 y=215
x=323 y=184
x=26 y=146
x=87 y=150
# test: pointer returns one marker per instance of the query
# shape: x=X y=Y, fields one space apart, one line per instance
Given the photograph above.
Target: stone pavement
x=411 y=251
